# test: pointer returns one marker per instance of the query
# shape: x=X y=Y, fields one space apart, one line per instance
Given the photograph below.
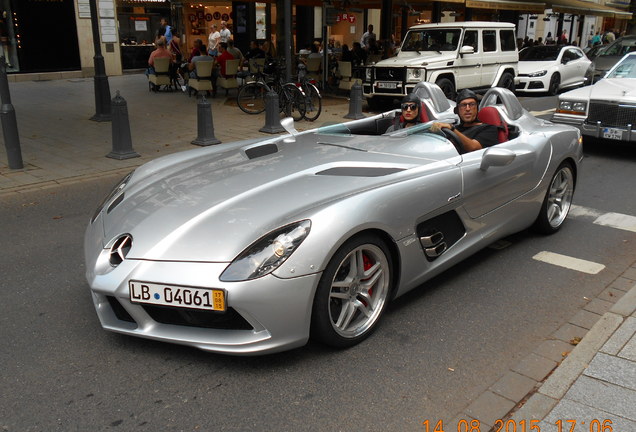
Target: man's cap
x=466 y=94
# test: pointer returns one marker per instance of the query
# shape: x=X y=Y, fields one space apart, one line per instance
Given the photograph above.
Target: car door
x=490 y=57
x=468 y=66
x=488 y=189
x=570 y=67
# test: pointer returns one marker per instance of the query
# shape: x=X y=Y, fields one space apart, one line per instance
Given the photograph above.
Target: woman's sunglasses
x=409 y=106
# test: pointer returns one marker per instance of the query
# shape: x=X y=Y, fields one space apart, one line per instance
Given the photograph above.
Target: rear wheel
x=313 y=106
x=447 y=87
x=557 y=201
x=251 y=98
x=352 y=293
x=292 y=102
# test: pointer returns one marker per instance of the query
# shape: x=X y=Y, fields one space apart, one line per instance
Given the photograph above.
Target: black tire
x=553 y=87
x=557 y=201
x=313 y=106
x=447 y=87
x=251 y=98
x=352 y=293
x=293 y=102
x=507 y=81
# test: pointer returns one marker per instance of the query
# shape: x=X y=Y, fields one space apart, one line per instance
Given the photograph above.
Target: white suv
x=452 y=55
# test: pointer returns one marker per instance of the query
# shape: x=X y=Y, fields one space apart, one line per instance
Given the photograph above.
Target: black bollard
x=9 y=122
x=122 y=142
x=355 y=102
x=272 y=114
x=205 y=125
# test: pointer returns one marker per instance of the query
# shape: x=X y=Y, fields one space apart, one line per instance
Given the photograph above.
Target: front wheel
x=447 y=87
x=292 y=102
x=352 y=293
x=555 y=81
x=251 y=98
x=507 y=81
x=313 y=106
x=557 y=201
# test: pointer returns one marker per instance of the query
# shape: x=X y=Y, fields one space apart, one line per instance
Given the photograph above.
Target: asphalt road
x=437 y=349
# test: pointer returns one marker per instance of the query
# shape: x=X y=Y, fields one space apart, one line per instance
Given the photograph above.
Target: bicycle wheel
x=251 y=98
x=313 y=104
x=293 y=102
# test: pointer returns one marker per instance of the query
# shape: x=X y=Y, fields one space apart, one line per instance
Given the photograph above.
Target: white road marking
x=569 y=262
x=538 y=113
x=613 y=220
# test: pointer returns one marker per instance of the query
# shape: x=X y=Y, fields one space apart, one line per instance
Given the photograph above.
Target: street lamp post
x=102 y=89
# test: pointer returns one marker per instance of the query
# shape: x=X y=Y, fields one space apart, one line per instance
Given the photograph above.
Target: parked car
x=454 y=55
x=610 y=56
x=595 y=51
x=606 y=109
x=550 y=68
x=254 y=246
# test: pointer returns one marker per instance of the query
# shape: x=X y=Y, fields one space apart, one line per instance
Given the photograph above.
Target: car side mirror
x=466 y=49
x=494 y=156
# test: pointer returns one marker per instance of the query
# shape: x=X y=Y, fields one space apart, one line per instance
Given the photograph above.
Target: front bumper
x=597 y=130
x=532 y=84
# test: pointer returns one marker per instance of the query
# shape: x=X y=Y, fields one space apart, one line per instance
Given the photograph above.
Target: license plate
x=177 y=296
x=387 y=85
x=612 y=133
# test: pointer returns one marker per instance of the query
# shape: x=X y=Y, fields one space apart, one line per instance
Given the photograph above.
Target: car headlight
x=367 y=74
x=118 y=188
x=267 y=254
x=415 y=73
x=538 y=74
x=570 y=107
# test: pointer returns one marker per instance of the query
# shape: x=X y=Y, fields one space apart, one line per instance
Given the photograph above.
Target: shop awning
x=580 y=7
x=519 y=5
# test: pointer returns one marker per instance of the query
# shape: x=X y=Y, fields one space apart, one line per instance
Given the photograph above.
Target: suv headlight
x=267 y=253
x=367 y=74
x=415 y=73
x=538 y=74
x=571 y=107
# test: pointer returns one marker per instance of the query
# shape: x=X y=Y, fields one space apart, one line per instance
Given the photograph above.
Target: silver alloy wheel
x=359 y=290
x=559 y=197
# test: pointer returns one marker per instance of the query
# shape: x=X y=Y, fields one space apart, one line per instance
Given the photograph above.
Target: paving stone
x=613 y=369
x=626 y=305
x=568 y=332
x=535 y=366
x=585 y=319
x=513 y=386
x=598 y=306
x=584 y=415
x=630 y=273
x=629 y=352
x=553 y=349
x=489 y=407
x=604 y=396
x=611 y=294
x=620 y=337
x=535 y=408
x=623 y=284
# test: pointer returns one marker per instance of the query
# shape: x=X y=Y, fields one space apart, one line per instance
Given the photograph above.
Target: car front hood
x=608 y=89
x=209 y=209
x=413 y=59
x=526 y=67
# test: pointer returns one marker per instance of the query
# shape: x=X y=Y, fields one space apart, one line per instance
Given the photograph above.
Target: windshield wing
x=539 y=53
x=431 y=40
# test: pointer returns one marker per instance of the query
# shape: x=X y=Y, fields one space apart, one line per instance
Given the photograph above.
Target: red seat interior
x=491 y=116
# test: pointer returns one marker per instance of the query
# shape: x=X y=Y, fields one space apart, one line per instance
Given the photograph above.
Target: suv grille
x=390 y=74
x=612 y=114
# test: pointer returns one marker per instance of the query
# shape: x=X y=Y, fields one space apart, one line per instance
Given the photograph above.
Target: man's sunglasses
x=409 y=106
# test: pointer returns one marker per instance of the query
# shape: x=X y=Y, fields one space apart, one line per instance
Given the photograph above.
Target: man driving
x=473 y=134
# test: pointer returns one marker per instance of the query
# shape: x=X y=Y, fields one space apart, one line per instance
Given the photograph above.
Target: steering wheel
x=452 y=137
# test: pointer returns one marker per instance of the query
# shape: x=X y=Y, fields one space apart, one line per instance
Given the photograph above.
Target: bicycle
x=313 y=98
x=251 y=96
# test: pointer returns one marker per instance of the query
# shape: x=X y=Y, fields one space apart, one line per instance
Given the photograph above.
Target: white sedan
x=550 y=68
x=608 y=108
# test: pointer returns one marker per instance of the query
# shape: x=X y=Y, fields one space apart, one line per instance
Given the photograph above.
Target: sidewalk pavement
x=595 y=384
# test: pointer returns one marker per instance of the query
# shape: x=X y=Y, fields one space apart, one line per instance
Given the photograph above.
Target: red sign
x=346 y=17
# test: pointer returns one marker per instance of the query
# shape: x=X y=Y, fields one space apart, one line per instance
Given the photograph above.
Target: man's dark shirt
x=255 y=53
x=484 y=133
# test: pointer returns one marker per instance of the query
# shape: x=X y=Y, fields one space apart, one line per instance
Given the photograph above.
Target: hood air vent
x=359 y=171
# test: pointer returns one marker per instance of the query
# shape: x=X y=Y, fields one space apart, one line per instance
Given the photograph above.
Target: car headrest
x=490 y=115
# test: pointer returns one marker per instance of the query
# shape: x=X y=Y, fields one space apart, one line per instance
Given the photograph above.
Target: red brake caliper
x=367 y=264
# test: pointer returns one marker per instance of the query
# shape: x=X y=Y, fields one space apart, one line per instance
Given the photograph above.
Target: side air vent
x=260 y=151
x=438 y=234
x=360 y=171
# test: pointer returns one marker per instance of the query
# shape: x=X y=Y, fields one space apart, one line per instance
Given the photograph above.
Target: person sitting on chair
x=473 y=134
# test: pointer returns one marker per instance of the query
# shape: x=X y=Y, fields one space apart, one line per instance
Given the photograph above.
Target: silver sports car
x=256 y=246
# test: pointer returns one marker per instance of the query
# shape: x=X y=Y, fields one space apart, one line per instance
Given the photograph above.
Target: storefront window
x=8 y=40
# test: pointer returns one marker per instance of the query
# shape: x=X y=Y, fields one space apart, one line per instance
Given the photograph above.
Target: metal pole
x=9 y=123
x=102 y=89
